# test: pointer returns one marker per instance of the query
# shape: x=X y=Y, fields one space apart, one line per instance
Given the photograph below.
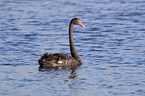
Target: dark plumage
x=57 y=60
x=60 y=60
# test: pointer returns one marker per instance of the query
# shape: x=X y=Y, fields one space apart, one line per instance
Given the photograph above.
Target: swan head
x=77 y=21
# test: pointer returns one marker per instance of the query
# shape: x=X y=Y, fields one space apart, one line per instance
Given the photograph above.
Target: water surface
x=112 y=47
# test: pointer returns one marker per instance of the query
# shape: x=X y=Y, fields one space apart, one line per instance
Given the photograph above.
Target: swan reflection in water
x=72 y=71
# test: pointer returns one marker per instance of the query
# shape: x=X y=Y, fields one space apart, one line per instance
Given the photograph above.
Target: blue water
x=112 y=47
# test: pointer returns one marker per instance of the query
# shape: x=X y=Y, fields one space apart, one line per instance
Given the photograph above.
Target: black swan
x=60 y=60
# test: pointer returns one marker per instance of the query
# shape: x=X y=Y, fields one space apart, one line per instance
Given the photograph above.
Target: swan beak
x=81 y=24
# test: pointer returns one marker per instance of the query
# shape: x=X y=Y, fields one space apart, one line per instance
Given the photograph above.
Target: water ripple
x=111 y=47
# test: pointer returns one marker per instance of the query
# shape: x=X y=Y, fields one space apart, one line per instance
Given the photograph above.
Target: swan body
x=60 y=60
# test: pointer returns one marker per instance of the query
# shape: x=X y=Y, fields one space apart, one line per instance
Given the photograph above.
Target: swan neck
x=72 y=46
